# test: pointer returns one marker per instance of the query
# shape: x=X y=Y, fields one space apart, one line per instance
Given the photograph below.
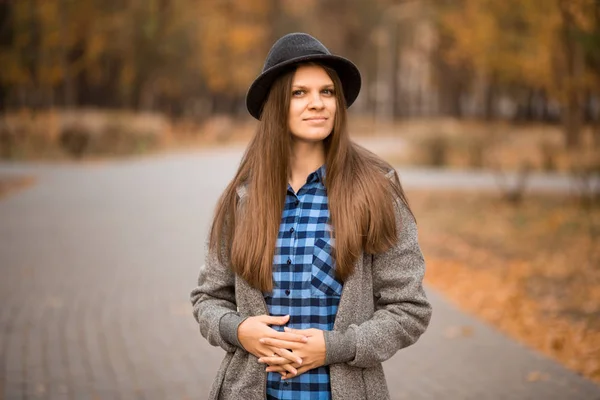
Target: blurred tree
x=6 y=38
x=524 y=44
x=198 y=56
x=587 y=32
x=232 y=37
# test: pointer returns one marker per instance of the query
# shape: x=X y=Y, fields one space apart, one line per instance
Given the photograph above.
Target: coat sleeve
x=402 y=311
x=214 y=304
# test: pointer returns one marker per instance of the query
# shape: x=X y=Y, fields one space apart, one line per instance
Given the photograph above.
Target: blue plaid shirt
x=305 y=286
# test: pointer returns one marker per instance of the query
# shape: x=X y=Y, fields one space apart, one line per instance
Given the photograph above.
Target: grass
x=532 y=270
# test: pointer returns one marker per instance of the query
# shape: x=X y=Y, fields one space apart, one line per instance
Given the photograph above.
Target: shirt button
x=286 y=383
x=291 y=230
x=289 y=261
x=287 y=291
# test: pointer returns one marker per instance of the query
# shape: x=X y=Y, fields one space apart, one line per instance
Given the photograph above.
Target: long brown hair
x=360 y=197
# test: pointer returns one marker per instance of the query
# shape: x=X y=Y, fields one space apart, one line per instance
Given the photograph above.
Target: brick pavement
x=97 y=263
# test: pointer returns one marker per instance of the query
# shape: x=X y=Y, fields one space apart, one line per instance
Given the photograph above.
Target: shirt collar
x=317 y=176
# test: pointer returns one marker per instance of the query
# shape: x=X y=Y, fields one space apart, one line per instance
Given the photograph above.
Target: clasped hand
x=289 y=353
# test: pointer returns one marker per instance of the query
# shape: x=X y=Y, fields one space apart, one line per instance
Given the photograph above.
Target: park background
x=508 y=88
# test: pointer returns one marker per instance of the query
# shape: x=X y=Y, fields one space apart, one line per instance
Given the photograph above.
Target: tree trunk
x=68 y=86
x=572 y=113
x=6 y=38
x=32 y=57
x=547 y=116
x=490 y=96
x=397 y=109
x=572 y=120
x=450 y=81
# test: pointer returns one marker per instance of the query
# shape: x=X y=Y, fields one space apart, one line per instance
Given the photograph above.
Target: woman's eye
x=297 y=92
x=328 y=91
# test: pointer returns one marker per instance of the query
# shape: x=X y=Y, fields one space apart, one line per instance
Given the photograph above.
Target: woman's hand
x=254 y=329
x=312 y=352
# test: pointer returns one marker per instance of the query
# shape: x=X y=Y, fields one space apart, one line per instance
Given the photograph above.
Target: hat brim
x=348 y=73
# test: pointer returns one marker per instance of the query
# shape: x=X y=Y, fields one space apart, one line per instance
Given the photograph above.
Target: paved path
x=97 y=263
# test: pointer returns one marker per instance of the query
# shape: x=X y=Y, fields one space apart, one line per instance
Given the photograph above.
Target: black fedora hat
x=292 y=49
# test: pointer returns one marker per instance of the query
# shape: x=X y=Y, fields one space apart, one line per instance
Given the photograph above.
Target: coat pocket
x=323 y=280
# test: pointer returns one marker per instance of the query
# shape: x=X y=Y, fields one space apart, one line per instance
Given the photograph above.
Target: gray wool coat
x=382 y=309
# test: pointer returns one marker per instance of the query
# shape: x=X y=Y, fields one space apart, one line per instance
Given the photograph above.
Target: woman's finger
x=290 y=357
x=269 y=320
x=294 y=358
x=302 y=332
x=299 y=371
x=269 y=351
x=274 y=360
x=290 y=337
x=278 y=370
x=290 y=369
x=282 y=344
x=286 y=370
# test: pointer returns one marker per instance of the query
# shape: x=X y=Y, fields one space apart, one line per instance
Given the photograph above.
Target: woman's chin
x=312 y=135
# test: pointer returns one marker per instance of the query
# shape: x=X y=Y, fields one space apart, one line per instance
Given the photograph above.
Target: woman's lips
x=316 y=120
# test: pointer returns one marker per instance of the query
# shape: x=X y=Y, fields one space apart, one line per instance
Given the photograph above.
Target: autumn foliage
x=513 y=59
x=531 y=270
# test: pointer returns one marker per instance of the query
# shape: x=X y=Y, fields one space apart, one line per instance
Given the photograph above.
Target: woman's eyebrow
x=328 y=85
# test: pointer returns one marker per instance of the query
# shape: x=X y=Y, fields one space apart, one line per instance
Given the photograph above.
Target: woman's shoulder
x=391 y=180
x=378 y=164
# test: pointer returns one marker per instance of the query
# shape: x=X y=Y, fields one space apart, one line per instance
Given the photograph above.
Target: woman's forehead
x=309 y=75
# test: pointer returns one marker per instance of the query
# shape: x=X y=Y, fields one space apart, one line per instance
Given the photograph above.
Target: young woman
x=313 y=275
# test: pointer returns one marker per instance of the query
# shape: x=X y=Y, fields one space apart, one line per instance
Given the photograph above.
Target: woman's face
x=312 y=104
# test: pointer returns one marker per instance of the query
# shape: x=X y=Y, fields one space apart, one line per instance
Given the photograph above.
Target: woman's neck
x=307 y=157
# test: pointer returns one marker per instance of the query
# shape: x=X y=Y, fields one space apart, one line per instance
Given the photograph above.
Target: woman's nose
x=316 y=101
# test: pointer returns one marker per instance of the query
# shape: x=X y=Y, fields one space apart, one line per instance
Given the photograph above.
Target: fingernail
x=305 y=339
x=260 y=360
x=299 y=361
x=261 y=340
x=285 y=328
x=294 y=371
